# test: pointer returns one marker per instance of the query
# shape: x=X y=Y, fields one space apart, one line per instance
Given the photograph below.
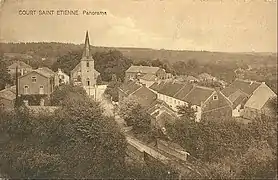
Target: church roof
x=86 y=51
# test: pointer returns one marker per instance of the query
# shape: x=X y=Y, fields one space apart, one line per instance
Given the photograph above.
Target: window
x=26 y=89
x=88 y=82
x=215 y=97
x=34 y=79
x=87 y=64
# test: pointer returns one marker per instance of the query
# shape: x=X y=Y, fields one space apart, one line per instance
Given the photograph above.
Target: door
x=41 y=91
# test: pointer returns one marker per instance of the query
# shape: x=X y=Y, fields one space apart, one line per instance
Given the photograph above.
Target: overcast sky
x=229 y=26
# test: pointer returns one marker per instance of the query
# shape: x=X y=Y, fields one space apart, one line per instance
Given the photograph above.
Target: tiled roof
x=164 y=117
x=129 y=87
x=143 y=69
x=241 y=99
x=238 y=97
x=7 y=94
x=148 y=77
x=198 y=94
x=145 y=96
x=184 y=91
x=20 y=64
x=259 y=99
x=159 y=104
x=47 y=70
x=170 y=88
x=247 y=87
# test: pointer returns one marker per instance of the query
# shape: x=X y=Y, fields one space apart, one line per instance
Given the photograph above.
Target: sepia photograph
x=138 y=89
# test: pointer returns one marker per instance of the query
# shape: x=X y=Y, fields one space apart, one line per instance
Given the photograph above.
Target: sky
x=211 y=25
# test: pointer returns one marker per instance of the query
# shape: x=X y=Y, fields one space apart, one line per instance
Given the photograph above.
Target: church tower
x=87 y=65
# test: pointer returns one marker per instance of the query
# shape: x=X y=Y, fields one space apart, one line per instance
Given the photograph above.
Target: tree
x=5 y=77
x=112 y=88
x=67 y=61
x=77 y=141
x=110 y=63
x=135 y=115
x=61 y=93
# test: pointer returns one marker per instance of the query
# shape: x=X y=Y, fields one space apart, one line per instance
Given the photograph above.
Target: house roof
x=247 y=87
x=159 y=104
x=198 y=95
x=37 y=71
x=46 y=71
x=238 y=97
x=184 y=91
x=258 y=100
x=164 y=117
x=129 y=87
x=170 y=88
x=43 y=72
x=145 y=96
x=7 y=94
x=20 y=64
x=148 y=77
x=143 y=69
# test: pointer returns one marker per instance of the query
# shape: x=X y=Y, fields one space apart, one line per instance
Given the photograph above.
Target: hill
x=53 y=50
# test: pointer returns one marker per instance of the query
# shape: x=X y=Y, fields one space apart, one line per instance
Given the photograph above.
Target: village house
x=161 y=114
x=23 y=68
x=144 y=96
x=249 y=98
x=41 y=81
x=84 y=74
x=208 y=103
x=63 y=77
x=159 y=110
x=148 y=79
x=134 y=72
x=7 y=98
x=206 y=77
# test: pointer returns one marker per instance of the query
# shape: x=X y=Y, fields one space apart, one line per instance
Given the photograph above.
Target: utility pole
x=16 y=88
x=95 y=92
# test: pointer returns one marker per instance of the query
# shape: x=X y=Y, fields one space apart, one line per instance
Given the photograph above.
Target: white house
x=206 y=101
x=248 y=97
x=63 y=77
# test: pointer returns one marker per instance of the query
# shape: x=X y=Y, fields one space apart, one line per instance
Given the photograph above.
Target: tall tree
x=5 y=77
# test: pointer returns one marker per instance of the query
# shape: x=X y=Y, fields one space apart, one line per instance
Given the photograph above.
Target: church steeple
x=86 y=51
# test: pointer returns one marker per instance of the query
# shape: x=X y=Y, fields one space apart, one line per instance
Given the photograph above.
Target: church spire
x=86 y=51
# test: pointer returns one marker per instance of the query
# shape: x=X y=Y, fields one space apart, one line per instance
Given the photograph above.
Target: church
x=84 y=74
